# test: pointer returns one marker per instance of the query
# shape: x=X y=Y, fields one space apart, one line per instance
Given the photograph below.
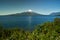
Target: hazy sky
x=39 y=6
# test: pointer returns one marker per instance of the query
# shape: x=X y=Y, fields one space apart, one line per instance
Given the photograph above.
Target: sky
x=39 y=6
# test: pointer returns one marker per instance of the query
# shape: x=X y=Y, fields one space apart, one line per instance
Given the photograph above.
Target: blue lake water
x=26 y=22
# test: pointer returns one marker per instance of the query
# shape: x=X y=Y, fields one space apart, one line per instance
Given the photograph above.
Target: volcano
x=25 y=14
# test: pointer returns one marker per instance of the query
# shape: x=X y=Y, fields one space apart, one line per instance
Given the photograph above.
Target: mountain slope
x=55 y=13
x=25 y=14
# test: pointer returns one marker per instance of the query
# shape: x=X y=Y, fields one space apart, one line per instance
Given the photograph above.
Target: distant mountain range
x=25 y=20
x=25 y=14
x=32 y=14
x=55 y=13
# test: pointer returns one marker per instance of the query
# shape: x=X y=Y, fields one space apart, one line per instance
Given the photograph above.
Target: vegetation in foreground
x=45 y=31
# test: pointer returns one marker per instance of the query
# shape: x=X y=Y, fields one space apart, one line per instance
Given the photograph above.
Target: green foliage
x=45 y=31
x=57 y=21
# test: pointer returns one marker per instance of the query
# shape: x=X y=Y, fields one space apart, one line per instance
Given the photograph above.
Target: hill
x=25 y=14
x=55 y=13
